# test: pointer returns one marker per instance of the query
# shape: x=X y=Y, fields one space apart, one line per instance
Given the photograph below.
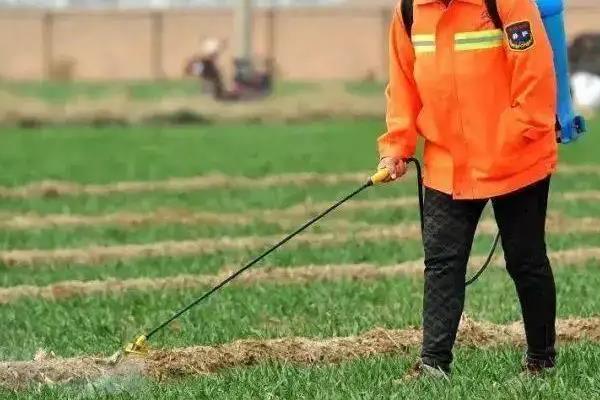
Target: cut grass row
x=30 y=231
x=165 y=216
x=53 y=230
x=222 y=200
x=282 y=275
x=55 y=189
x=204 y=182
x=317 y=309
x=200 y=360
x=242 y=199
x=379 y=252
x=383 y=252
x=99 y=254
x=478 y=374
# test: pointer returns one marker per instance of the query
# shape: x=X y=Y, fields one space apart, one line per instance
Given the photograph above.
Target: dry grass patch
x=96 y=255
x=330 y=101
x=271 y=275
x=199 y=360
x=286 y=218
x=64 y=188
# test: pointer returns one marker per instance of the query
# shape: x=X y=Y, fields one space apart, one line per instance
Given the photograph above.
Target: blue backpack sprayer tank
x=571 y=126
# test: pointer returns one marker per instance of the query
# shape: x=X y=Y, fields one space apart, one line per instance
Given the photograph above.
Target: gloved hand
x=395 y=166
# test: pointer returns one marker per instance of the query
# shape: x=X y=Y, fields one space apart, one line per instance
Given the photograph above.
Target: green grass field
x=99 y=323
x=64 y=92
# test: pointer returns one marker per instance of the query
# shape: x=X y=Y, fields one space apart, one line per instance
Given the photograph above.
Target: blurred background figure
x=248 y=84
x=204 y=67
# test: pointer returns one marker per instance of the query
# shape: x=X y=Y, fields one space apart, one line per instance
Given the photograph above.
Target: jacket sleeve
x=403 y=102
x=533 y=83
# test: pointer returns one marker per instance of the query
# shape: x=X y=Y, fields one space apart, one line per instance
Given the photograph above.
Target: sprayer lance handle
x=383 y=175
x=379 y=177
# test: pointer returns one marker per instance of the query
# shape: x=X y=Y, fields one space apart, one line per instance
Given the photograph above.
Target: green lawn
x=109 y=154
x=63 y=92
x=101 y=323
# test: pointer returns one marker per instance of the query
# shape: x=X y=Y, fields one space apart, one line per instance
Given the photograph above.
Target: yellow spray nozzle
x=138 y=347
x=380 y=176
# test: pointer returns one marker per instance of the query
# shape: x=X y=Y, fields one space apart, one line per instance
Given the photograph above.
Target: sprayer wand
x=140 y=345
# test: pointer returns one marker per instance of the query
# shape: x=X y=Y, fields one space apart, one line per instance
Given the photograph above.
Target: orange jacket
x=482 y=98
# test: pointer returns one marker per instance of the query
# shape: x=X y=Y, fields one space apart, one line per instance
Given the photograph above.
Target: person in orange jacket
x=483 y=99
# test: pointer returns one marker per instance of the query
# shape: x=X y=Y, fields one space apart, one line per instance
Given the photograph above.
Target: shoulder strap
x=406 y=8
x=492 y=8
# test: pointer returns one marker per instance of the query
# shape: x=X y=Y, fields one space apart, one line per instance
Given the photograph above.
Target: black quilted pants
x=449 y=229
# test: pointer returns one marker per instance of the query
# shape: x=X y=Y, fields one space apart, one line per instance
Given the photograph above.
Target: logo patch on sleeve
x=520 y=36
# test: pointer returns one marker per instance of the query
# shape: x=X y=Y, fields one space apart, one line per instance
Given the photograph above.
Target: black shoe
x=421 y=370
x=532 y=366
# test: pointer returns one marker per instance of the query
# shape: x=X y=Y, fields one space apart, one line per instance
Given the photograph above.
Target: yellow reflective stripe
x=478 y=46
x=479 y=34
x=478 y=40
x=423 y=38
x=423 y=43
x=424 y=49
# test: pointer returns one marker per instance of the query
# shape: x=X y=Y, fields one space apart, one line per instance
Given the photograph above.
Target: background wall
x=318 y=43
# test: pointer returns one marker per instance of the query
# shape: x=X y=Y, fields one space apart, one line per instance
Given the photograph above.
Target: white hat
x=211 y=46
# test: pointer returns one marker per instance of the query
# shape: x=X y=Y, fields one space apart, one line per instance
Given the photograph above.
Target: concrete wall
x=114 y=45
x=307 y=43
x=23 y=45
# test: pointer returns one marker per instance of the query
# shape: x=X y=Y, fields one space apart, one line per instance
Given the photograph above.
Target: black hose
x=303 y=228
x=487 y=262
